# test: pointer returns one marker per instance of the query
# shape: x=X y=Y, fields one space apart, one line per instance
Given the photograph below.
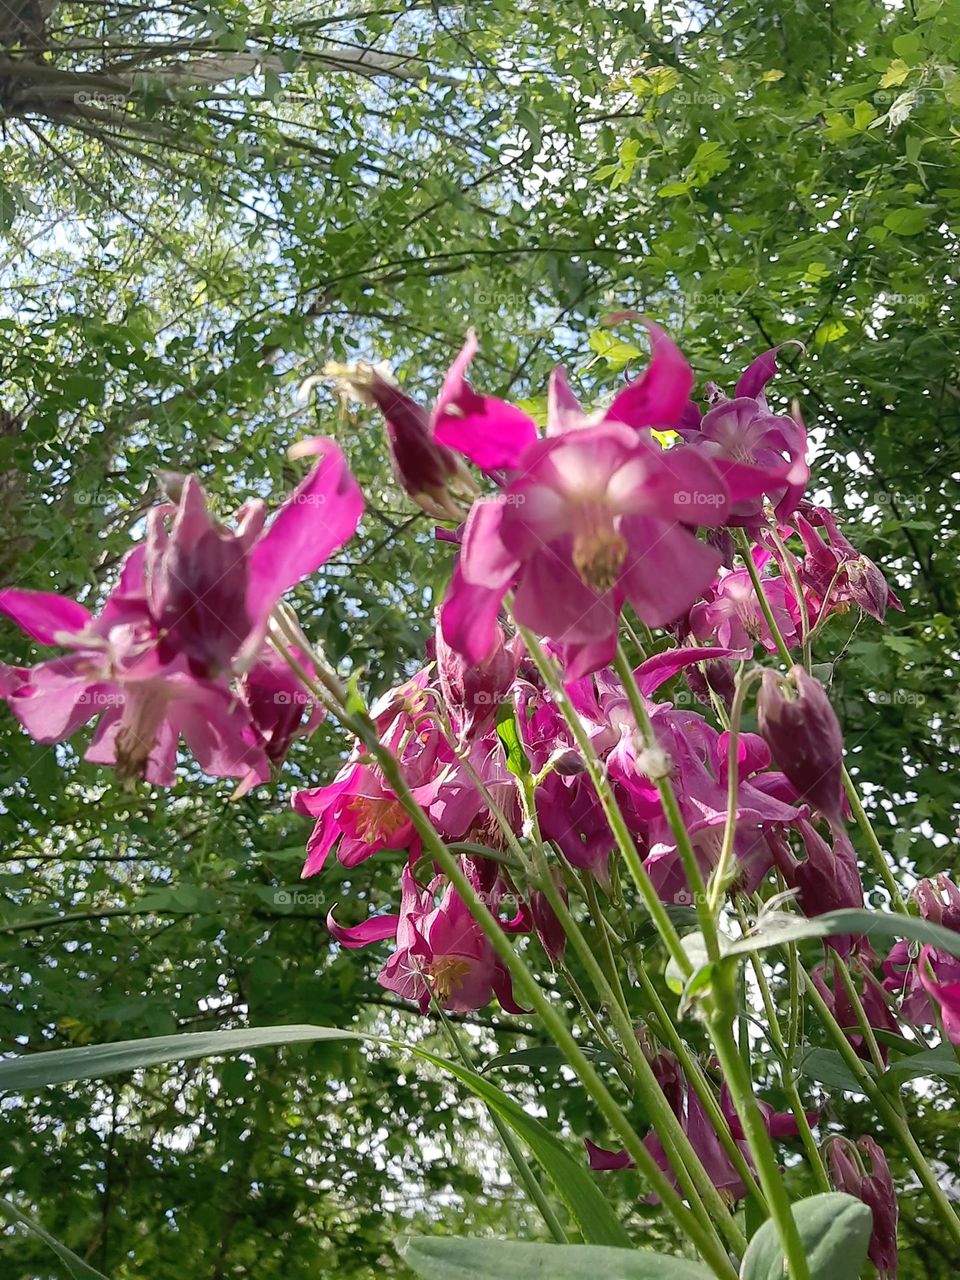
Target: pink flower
x=932 y=980
x=591 y=516
x=191 y=603
x=804 y=735
x=731 y=614
x=441 y=951
x=945 y=994
x=211 y=590
x=747 y=443
x=430 y=473
x=853 y=577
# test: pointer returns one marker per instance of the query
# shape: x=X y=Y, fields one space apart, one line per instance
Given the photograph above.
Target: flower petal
x=44 y=616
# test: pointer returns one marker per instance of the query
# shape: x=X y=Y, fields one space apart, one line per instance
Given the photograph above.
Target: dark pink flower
x=941 y=981
x=848 y=1173
x=474 y=691
x=756 y=451
x=441 y=951
x=430 y=473
x=939 y=901
x=854 y=578
x=731 y=615
x=874 y=1003
x=596 y=517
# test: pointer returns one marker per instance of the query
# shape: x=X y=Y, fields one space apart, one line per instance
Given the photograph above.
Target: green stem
x=873 y=844
x=621 y=832
x=691 y=1069
x=671 y=808
x=720 y=1021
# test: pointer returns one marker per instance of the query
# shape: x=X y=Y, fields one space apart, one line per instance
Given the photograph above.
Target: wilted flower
x=432 y=475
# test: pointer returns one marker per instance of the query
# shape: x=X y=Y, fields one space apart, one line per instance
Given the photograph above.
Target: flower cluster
x=179 y=648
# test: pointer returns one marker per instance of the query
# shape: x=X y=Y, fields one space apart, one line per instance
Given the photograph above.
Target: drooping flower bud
x=474 y=690
x=875 y=1188
x=549 y=929
x=939 y=901
x=804 y=735
x=829 y=880
x=432 y=475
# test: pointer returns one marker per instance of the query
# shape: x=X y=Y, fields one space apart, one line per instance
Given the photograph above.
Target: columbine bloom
x=804 y=735
x=840 y=1005
x=441 y=951
x=827 y=880
x=930 y=979
x=591 y=516
x=848 y=1172
x=747 y=442
x=730 y=614
x=473 y=692
x=191 y=606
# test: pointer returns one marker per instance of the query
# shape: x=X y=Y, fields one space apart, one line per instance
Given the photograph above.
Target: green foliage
x=835 y=1231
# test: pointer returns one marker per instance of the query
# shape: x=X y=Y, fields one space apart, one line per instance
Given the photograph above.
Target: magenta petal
x=600 y=1158
x=667 y=569
x=469 y=615
x=44 y=616
x=376 y=929
x=492 y=433
x=564 y=412
x=319 y=516
x=650 y=675
x=51 y=701
x=758 y=373
x=660 y=394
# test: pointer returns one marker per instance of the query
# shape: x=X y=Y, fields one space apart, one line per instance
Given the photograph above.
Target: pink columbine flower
x=828 y=879
x=689 y=1110
x=747 y=442
x=441 y=951
x=156 y=664
x=848 y=1172
x=592 y=516
x=474 y=691
x=920 y=980
x=731 y=616
x=872 y=998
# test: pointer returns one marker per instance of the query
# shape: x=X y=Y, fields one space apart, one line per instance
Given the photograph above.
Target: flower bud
x=549 y=929
x=875 y=1189
x=804 y=735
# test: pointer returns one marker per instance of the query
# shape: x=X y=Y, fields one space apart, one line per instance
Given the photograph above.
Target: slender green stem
x=762 y=600
x=691 y=1175
x=621 y=832
x=738 y=1081
x=671 y=808
x=892 y=1117
x=701 y=1086
x=880 y=859
x=527 y=1176
x=863 y=1022
x=718 y=883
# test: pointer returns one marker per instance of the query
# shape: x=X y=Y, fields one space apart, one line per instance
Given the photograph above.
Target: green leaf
x=906 y=222
x=835 y=1232
x=509 y=734
x=573 y=1182
x=941 y=1061
x=453 y=1259
x=827 y=1067
x=76 y=1266
x=31 y=1071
